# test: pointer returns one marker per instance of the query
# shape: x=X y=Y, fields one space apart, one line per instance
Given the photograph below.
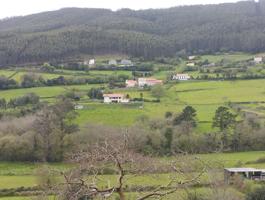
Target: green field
x=17 y=75
x=44 y=92
x=25 y=173
x=204 y=96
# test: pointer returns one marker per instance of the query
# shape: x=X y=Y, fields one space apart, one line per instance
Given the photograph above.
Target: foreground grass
x=13 y=175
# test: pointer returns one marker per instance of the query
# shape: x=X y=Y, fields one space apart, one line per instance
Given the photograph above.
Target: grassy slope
x=204 y=96
x=43 y=92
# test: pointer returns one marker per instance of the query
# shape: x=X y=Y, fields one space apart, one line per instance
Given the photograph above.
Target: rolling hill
x=71 y=32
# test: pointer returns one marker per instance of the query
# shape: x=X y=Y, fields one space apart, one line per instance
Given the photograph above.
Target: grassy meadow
x=204 y=96
x=16 y=175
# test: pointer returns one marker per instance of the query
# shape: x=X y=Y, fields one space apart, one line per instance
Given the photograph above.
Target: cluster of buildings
x=142 y=82
x=149 y=82
x=124 y=62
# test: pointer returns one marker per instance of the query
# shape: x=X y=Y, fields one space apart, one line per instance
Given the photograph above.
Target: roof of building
x=113 y=95
x=131 y=81
x=244 y=170
x=148 y=79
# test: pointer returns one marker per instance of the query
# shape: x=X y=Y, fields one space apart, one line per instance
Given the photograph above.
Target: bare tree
x=83 y=182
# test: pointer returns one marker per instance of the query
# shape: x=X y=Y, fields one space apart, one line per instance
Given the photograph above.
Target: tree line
x=33 y=80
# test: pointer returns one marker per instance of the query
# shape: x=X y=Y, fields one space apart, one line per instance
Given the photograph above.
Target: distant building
x=181 y=77
x=192 y=57
x=125 y=62
x=131 y=83
x=248 y=173
x=79 y=107
x=190 y=64
x=149 y=82
x=115 y=98
x=92 y=62
x=258 y=59
x=113 y=62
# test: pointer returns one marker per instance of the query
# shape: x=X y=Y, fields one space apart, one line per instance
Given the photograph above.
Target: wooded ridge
x=71 y=32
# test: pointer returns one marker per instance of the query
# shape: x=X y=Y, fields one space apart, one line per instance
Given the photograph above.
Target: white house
x=79 y=107
x=192 y=57
x=258 y=59
x=115 y=98
x=92 y=62
x=125 y=62
x=131 y=83
x=149 y=82
x=181 y=77
x=113 y=62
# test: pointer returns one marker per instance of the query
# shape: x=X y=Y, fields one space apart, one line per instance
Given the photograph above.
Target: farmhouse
x=112 y=62
x=115 y=98
x=181 y=77
x=131 y=83
x=125 y=62
x=248 y=173
x=149 y=82
x=258 y=59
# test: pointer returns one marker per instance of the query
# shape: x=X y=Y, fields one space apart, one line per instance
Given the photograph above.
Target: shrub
x=258 y=194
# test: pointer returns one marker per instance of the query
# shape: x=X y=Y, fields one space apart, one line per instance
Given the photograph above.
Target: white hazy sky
x=10 y=8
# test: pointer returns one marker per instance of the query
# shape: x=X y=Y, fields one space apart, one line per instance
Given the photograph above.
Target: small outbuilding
x=79 y=107
x=113 y=62
x=125 y=62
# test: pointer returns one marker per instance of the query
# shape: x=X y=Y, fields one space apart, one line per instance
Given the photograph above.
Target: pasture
x=204 y=96
x=25 y=173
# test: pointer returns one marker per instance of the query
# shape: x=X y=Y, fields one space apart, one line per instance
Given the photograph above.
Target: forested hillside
x=147 y=33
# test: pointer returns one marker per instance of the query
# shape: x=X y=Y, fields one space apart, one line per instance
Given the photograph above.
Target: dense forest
x=71 y=32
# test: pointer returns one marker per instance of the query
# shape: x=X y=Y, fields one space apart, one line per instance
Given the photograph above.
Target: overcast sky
x=10 y=8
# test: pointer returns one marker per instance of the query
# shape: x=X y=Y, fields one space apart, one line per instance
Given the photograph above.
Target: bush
x=258 y=194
